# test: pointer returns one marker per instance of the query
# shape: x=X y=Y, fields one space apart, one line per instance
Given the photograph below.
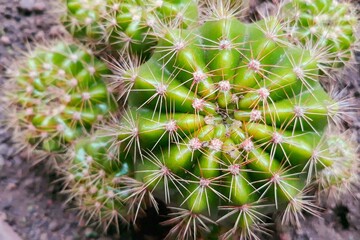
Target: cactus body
x=94 y=179
x=228 y=118
x=343 y=174
x=57 y=94
x=329 y=25
x=126 y=24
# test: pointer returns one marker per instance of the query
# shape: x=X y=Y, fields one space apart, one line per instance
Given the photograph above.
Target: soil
x=29 y=199
x=30 y=202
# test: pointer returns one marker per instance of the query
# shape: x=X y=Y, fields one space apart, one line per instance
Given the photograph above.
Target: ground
x=30 y=203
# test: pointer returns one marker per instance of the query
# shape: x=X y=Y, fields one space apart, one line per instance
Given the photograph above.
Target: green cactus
x=338 y=179
x=328 y=25
x=93 y=180
x=56 y=94
x=126 y=24
x=224 y=125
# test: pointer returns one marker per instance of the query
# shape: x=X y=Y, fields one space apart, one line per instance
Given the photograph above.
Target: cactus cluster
x=55 y=95
x=329 y=26
x=126 y=24
x=226 y=122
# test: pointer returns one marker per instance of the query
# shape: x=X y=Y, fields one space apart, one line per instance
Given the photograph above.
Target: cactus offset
x=328 y=25
x=93 y=180
x=56 y=94
x=126 y=24
x=344 y=173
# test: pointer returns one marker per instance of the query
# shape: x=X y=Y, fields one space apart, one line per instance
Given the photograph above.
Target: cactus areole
x=224 y=121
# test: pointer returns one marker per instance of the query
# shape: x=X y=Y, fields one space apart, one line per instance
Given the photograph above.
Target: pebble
x=43 y=236
x=39 y=7
x=358 y=195
x=7 y=206
x=3 y=216
x=27 y=5
x=40 y=36
x=5 y=40
x=17 y=161
x=11 y=186
x=56 y=31
x=285 y=236
x=6 y=232
x=90 y=233
x=54 y=226
x=30 y=208
x=3 y=149
x=11 y=151
x=23 y=221
x=29 y=183
x=7 y=151
x=4 y=135
x=2 y=162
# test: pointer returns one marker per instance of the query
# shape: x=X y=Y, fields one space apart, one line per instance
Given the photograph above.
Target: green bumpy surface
x=340 y=177
x=58 y=93
x=94 y=179
x=227 y=117
x=126 y=24
x=326 y=23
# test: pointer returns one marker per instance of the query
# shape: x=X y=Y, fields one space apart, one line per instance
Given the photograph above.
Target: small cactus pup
x=328 y=26
x=99 y=180
x=224 y=123
x=93 y=179
x=56 y=94
x=339 y=179
x=126 y=24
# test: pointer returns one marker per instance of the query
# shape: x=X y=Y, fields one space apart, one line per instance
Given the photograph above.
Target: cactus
x=225 y=125
x=56 y=94
x=92 y=180
x=343 y=174
x=328 y=25
x=126 y=24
